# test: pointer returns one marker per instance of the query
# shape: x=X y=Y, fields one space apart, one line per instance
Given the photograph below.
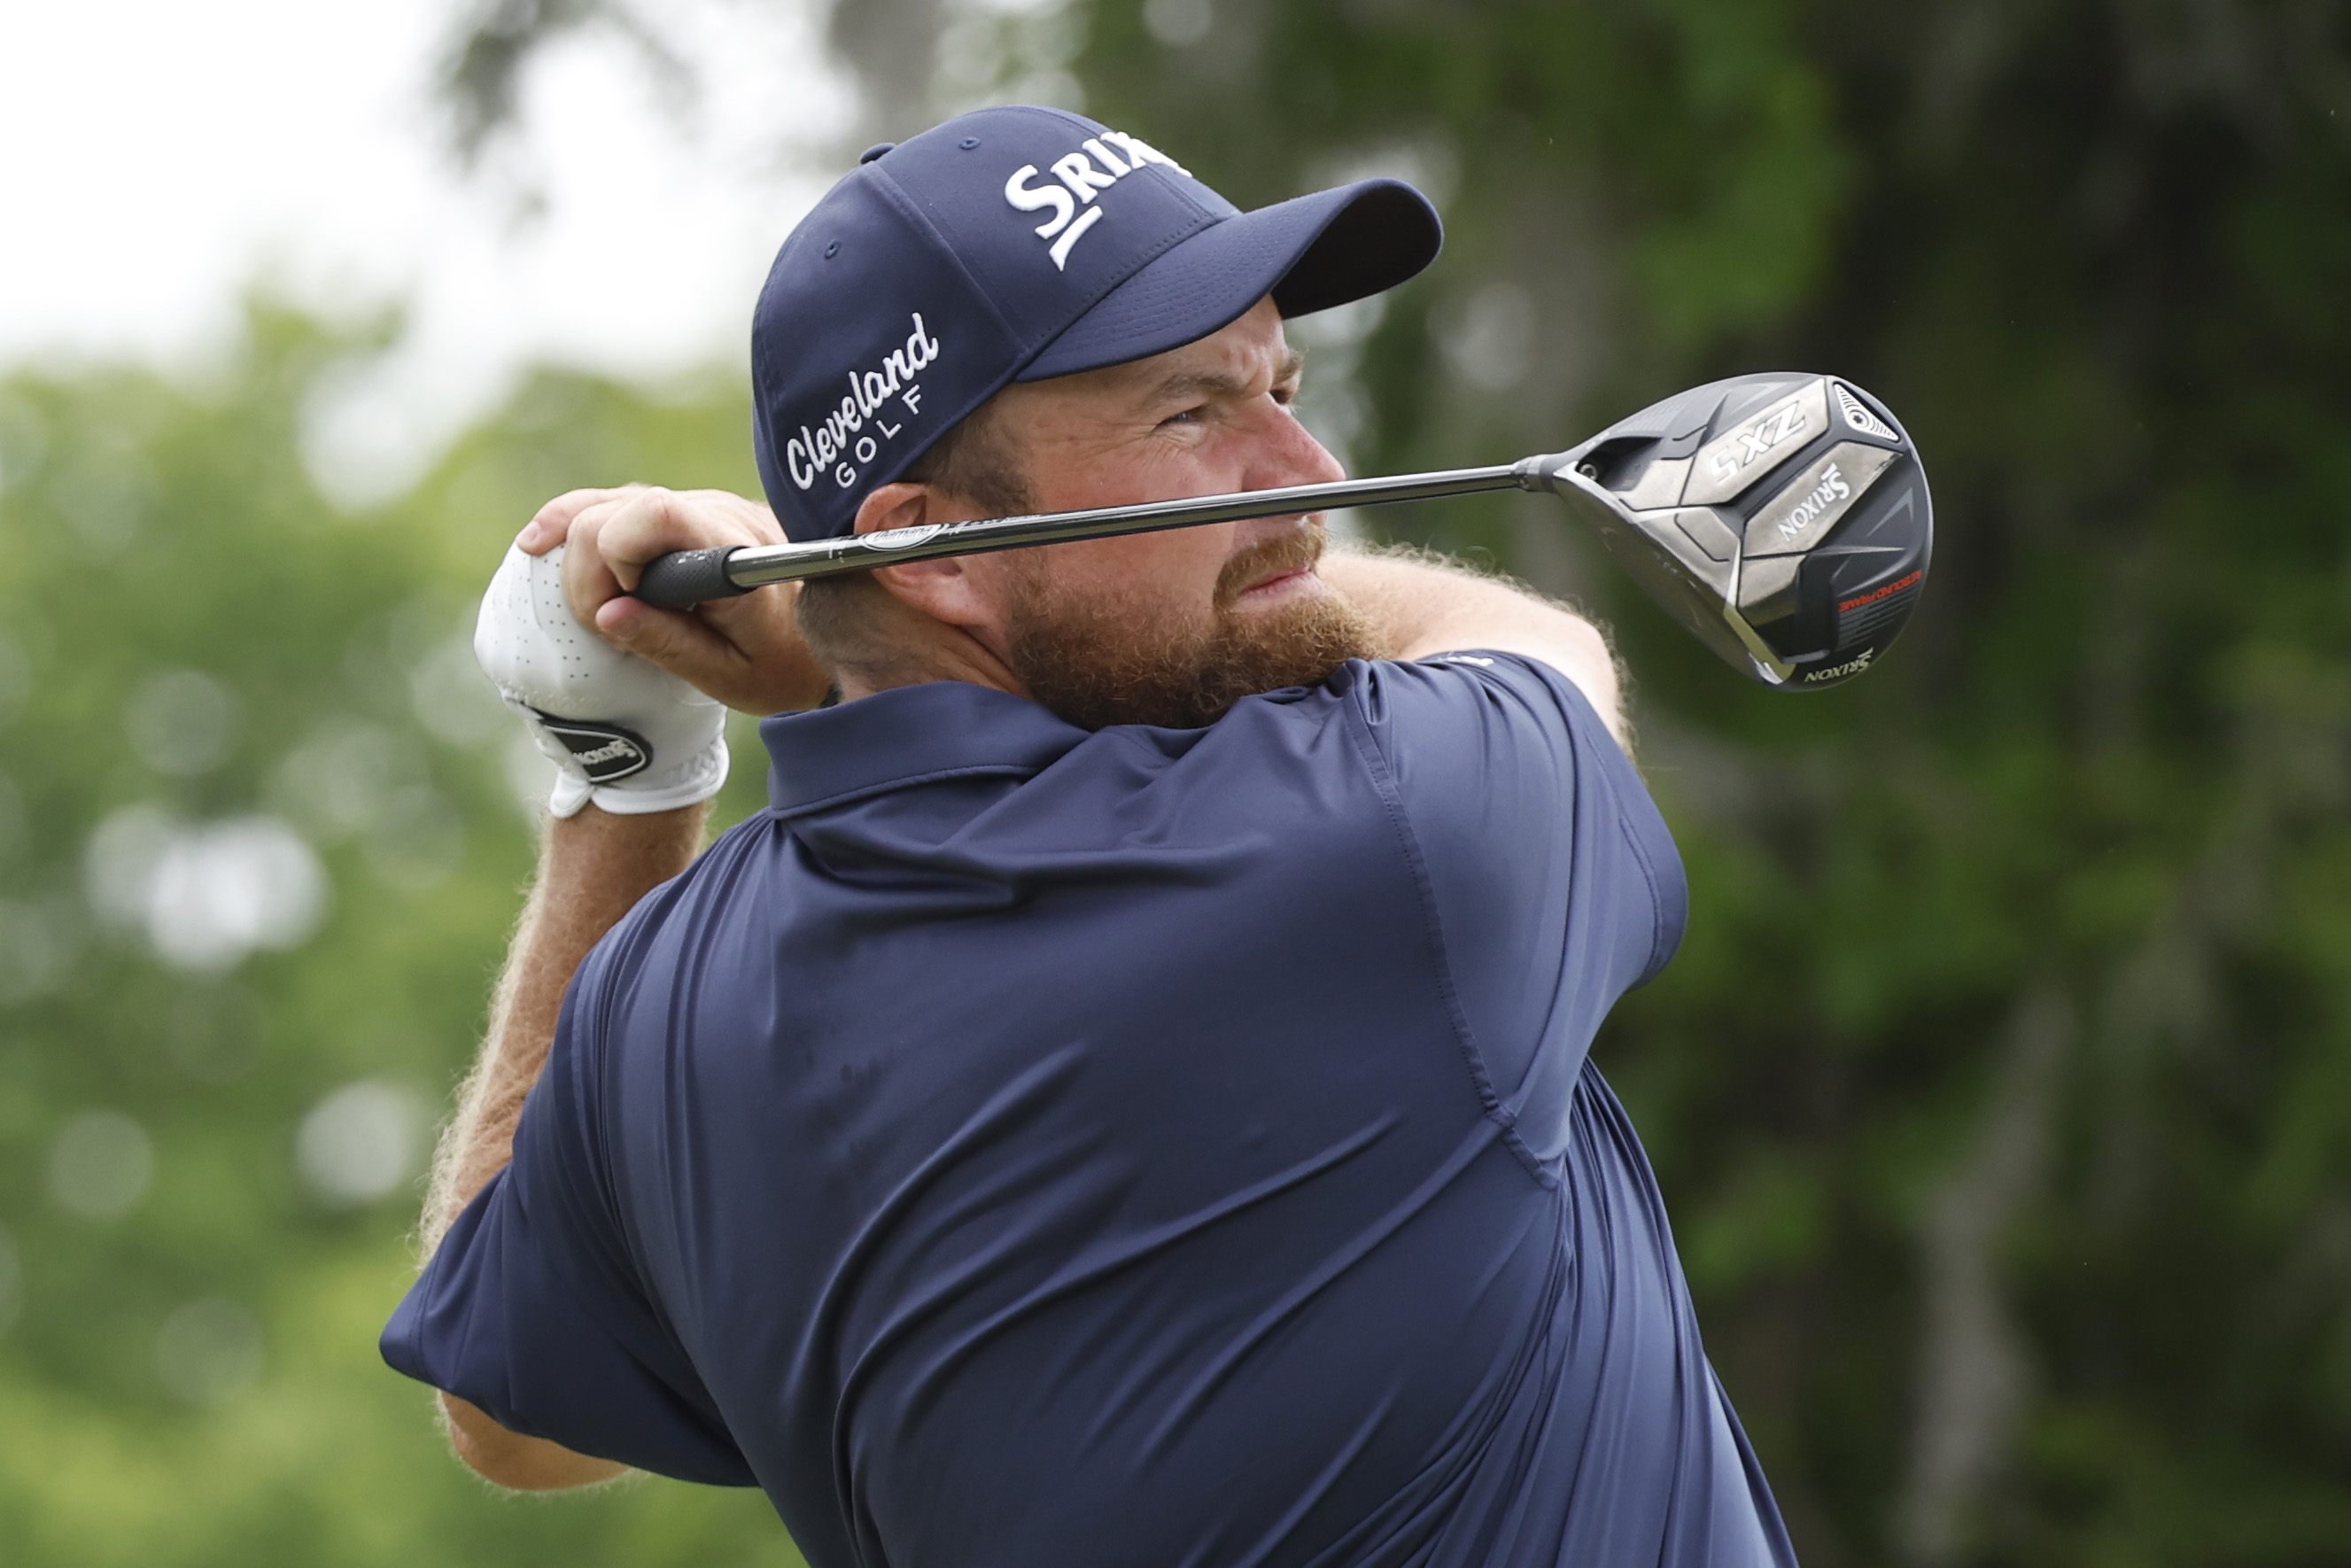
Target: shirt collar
x=907 y=735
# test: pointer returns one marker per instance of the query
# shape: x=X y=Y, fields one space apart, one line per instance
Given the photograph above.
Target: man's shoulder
x=1509 y=778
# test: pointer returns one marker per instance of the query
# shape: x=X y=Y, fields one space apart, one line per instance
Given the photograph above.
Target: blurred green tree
x=261 y=835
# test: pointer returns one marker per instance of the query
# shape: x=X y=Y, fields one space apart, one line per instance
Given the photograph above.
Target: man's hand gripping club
x=744 y=653
x=621 y=731
x=633 y=718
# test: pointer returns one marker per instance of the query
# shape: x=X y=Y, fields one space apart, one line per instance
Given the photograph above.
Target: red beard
x=1095 y=666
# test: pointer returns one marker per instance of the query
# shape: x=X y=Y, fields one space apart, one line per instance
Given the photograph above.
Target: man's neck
x=954 y=656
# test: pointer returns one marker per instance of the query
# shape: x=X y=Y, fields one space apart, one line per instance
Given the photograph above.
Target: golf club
x=1783 y=520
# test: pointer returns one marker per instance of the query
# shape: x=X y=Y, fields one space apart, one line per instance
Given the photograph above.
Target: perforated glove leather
x=621 y=731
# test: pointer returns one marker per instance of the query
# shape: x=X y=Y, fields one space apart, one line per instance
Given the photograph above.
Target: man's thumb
x=670 y=639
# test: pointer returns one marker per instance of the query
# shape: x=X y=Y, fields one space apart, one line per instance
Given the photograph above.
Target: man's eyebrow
x=1191 y=383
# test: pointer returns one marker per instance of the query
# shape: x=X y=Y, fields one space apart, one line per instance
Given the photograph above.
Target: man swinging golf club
x=1125 y=1101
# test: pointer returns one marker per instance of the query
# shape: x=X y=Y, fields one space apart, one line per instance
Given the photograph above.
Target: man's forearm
x=1421 y=607
x=592 y=869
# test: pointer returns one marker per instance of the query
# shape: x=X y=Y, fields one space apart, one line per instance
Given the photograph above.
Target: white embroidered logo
x=811 y=452
x=1094 y=167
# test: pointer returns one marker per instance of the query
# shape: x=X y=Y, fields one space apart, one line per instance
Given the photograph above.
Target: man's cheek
x=1178 y=569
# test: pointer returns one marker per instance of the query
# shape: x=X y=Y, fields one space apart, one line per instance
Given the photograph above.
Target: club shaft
x=756 y=565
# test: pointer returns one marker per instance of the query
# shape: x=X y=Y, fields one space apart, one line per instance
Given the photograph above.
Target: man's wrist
x=595 y=865
x=622 y=851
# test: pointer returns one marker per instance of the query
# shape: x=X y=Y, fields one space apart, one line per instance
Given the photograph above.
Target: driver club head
x=1782 y=518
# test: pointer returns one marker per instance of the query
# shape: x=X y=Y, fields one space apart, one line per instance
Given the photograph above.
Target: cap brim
x=1310 y=254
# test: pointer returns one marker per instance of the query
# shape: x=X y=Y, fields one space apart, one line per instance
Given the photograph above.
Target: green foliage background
x=2002 y=1090
x=148 y=527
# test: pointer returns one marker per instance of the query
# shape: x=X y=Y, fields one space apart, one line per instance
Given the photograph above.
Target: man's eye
x=1286 y=395
x=1189 y=417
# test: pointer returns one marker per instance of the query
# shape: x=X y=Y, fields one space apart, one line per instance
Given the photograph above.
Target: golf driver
x=1782 y=518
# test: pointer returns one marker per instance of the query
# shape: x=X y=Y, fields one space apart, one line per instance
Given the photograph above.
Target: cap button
x=832 y=249
x=969 y=143
x=874 y=152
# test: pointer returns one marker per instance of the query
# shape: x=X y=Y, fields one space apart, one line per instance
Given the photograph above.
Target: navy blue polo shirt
x=1023 y=1146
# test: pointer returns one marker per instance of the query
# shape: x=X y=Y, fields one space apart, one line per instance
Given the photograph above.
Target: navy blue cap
x=1019 y=242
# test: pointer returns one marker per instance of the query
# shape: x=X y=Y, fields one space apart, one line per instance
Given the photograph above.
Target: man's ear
x=942 y=590
x=899 y=505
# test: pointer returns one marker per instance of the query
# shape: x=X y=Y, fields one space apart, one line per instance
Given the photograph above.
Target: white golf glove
x=624 y=733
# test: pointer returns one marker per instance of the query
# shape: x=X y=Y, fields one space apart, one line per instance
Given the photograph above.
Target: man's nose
x=1284 y=452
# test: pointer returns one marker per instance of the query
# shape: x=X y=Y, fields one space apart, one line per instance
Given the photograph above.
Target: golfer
x=1126 y=1099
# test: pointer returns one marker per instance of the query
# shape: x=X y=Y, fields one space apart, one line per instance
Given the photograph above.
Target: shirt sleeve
x=1553 y=884
x=532 y=1310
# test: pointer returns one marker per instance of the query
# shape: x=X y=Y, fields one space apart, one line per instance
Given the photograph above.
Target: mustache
x=1270 y=557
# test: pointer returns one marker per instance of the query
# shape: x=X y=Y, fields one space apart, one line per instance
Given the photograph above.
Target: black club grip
x=684 y=578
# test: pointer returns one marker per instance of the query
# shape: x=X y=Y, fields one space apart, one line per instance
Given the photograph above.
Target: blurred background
x=2002 y=1090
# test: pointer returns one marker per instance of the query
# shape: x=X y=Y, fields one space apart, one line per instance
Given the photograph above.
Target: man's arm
x=1421 y=608
x=592 y=869
x=595 y=867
